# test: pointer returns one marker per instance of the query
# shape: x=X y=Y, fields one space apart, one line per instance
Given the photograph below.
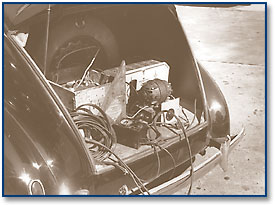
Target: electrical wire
x=92 y=124
x=192 y=168
x=190 y=155
x=185 y=119
x=124 y=165
x=158 y=158
x=124 y=170
x=189 y=148
x=195 y=112
x=154 y=123
x=171 y=130
x=143 y=108
x=87 y=69
x=155 y=143
x=171 y=96
x=82 y=107
x=96 y=127
x=173 y=160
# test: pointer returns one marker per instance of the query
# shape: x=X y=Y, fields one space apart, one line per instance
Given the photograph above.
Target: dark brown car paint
x=109 y=182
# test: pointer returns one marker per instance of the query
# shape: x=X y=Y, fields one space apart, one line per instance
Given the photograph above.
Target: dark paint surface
x=22 y=13
x=23 y=161
x=218 y=109
x=45 y=125
x=42 y=122
x=146 y=168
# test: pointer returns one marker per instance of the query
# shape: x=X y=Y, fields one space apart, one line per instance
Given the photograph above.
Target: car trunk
x=142 y=36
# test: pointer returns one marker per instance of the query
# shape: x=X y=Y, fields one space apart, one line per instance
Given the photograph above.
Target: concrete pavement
x=229 y=42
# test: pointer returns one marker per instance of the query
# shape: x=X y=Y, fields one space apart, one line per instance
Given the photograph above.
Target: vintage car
x=103 y=99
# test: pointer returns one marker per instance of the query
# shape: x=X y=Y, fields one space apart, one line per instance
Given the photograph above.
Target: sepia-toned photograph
x=134 y=99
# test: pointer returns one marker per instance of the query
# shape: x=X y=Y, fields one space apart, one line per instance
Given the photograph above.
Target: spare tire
x=73 y=42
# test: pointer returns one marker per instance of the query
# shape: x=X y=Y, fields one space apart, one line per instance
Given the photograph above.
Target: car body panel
x=51 y=133
x=27 y=107
x=41 y=120
x=146 y=167
x=23 y=162
x=218 y=109
x=200 y=170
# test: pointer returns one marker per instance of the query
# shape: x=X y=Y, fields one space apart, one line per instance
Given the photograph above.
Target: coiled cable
x=94 y=124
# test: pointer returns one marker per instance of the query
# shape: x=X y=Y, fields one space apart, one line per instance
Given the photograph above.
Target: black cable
x=173 y=159
x=125 y=171
x=186 y=118
x=170 y=129
x=158 y=159
x=154 y=122
x=157 y=175
x=97 y=108
x=155 y=143
x=90 y=123
x=158 y=134
x=96 y=127
x=192 y=168
x=130 y=171
x=190 y=155
x=134 y=115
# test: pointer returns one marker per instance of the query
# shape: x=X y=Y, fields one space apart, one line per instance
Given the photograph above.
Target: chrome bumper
x=183 y=180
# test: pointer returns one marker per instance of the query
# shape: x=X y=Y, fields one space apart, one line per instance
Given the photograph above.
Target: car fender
x=217 y=107
x=24 y=164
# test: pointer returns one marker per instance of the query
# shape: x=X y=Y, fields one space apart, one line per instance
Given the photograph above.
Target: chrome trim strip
x=32 y=182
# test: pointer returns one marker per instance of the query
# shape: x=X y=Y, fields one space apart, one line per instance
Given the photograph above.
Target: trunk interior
x=152 y=61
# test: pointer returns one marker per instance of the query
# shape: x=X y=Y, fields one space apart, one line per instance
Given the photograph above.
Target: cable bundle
x=181 y=127
x=118 y=162
x=98 y=133
x=95 y=127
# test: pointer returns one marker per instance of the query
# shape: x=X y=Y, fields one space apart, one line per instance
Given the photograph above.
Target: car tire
x=62 y=37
